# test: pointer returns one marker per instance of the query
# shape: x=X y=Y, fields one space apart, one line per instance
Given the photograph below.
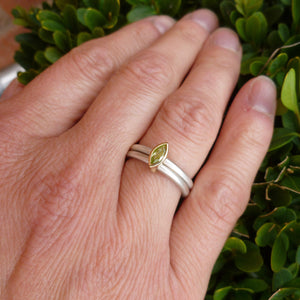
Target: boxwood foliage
x=261 y=258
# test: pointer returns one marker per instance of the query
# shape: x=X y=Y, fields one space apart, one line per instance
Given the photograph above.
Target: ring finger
x=189 y=121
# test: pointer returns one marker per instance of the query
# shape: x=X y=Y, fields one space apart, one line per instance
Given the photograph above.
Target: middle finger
x=130 y=100
x=189 y=120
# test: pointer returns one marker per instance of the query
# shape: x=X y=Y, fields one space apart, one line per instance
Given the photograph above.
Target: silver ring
x=156 y=159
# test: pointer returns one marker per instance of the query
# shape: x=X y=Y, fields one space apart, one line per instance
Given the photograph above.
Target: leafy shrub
x=261 y=259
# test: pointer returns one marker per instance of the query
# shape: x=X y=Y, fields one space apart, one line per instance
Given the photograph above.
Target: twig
x=275 y=52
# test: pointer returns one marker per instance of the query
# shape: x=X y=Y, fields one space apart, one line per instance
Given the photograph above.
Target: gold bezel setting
x=158 y=155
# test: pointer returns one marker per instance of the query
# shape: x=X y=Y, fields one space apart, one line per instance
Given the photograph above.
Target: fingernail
x=227 y=39
x=205 y=18
x=163 y=23
x=262 y=96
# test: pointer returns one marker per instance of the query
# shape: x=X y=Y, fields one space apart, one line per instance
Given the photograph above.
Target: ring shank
x=168 y=168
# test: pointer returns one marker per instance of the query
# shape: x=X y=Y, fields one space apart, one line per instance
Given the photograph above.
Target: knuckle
x=143 y=31
x=223 y=202
x=90 y=62
x=250 y=136
x=226 y=63
x=150 y=68
x=188 y=116
x=190 y=31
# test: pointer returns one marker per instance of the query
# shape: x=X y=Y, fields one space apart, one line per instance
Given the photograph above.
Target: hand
x=78 y=220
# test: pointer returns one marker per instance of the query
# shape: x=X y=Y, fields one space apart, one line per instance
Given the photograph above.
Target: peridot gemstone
x=158 y=155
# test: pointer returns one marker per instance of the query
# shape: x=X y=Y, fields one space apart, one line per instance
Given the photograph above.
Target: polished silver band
x=167 y=167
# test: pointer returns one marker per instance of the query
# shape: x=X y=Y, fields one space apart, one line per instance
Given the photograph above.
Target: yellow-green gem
x=158 y=155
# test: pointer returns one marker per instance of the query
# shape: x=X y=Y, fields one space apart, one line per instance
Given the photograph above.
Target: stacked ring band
x=156 y=158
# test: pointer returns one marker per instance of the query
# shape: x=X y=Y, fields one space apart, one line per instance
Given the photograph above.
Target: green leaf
x=21 y=22
x=235 y=244
x=277 y=216
x=295 y=64
x=70 y=18
x=62 y=41
x=31 y=40
x=289 y=94
x=286 y=2
x=19 y=12
x=279 y=80
x=284 y=32
x=281 y=278
x=266 y=234
x=247 y=62
x=98 y=32
x=292 y=182
x=226 y=8
x=83 y=37
x=290 y=121
x=52 y=54
x=242 y=294
x=281 y=137
x=80 y=15
x=273 y=40
x=283 y=215
x=221 y=294
x=298 y=255
x=296 y=11
x=40 y=58
x=110 y=9
x=256 y=28
x=240 y=26
x=256 y=67
x=219 y=264
x=292 y=230
x=139 y=2
x=273 y=13
x=23 y=59
x=251 y=261
x=294 y=269
x=279 y=197
x=254 y=284
x=91 y=3
x=45 y=15
x=94 y=18
x=52 y=25
x=210 y=4
x=292 y=51
x=278 y=172
x=295 y=160
x=169 y=7
x=26 y=77
x=279 y=252
x=240 y=228
x=32 y=18
x=46 y=36
x=283 y=293
x=278 y=63
x=248 y=7
x=140 y=12
x=234 y=16
x=294 y=283
x=61 y=4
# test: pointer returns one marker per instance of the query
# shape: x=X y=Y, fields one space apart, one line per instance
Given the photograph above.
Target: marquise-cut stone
x=158 y=155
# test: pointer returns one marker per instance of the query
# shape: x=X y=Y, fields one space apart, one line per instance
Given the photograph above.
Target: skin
x=8 y=31
x=9 y=5
x=78 y=219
